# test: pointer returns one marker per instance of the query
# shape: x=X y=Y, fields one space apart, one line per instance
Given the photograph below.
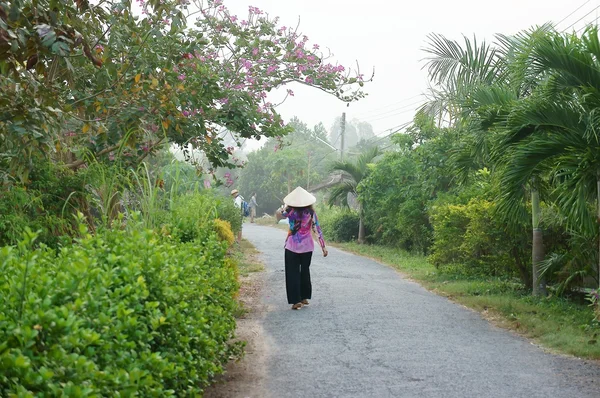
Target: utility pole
x=342 y=134
x=308 y=174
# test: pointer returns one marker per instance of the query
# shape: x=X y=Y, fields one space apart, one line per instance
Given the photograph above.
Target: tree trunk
x=598 y=219
x=537 y=249
x=361 y=225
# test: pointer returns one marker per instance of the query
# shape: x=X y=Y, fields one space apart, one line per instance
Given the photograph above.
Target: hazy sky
x=389 y=36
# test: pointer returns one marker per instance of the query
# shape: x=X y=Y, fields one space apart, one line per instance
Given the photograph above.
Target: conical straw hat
x=299 y=197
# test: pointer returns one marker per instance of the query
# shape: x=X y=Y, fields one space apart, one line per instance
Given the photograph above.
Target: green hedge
x=338 y=224
x=122 y=313
x=469 y=239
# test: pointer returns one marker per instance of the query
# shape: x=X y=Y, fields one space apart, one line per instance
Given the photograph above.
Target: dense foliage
x=338 y=224
x=119 y=312
x=498 y=175
x=115 y=79
x=302 y=158
x=125 y=286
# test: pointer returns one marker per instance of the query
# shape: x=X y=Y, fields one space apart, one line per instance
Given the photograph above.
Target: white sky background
x=389 y=36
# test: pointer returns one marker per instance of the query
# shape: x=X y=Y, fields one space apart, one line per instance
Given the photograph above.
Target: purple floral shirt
x=299 y=239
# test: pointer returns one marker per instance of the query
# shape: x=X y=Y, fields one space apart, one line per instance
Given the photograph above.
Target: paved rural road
x=370 y=333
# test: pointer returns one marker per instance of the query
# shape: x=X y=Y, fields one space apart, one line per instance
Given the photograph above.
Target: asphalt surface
x=370 y=333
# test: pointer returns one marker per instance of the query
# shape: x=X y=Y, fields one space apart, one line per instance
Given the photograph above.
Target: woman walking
x=299 y=245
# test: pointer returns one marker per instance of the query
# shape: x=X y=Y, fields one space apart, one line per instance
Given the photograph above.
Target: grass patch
x=555 y=323
x=247 y=259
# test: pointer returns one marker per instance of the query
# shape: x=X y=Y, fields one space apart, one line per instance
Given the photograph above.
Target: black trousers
x=297 y=276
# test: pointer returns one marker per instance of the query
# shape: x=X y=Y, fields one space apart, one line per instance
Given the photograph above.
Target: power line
x=577 y=9
x=413 y=108
x=368 y=113
x=377 y=115
x=397 y=129
x=568 y=27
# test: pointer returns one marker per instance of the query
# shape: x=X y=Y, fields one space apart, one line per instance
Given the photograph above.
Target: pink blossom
x=181 y=77
x=233 y=18
x=315 y=46
x=244 y=23
x=185 y=113
x=290 y=93
x=255 y=10
x=224 y=101
x=255 y=52
x=206 y=184
x=271 y=69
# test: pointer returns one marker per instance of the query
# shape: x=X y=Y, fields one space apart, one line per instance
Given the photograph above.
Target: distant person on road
x=299 y=245
x=238 y=200
x=253 y=205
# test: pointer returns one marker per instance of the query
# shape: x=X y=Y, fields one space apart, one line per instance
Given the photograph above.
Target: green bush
x=44 y=204
x=338 y=224
x=122 y=313
x=227 y=211
x=193 y=214
x=468 y=239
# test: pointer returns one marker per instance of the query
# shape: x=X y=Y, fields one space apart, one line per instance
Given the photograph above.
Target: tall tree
x=81 y=80
x=555 y=130
x=477 y=85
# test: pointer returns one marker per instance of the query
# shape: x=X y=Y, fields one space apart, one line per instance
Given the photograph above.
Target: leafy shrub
x=338 y=224
x=395 y=202
x=192 y=216
x=223 y=229
x=227 y=211
x=44 y=204
x=469 y=239
x=122 y=313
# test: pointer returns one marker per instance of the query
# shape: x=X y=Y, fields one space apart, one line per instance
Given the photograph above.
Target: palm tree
x=478 y=84
x=352 y=173
x=556 y=130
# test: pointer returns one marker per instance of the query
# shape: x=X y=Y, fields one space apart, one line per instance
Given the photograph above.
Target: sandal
x=297 y=306
x=305 y=302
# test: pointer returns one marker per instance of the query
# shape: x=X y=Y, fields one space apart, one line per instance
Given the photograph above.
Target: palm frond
x=453 y=65
x=340 y=193
x=569 y=58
